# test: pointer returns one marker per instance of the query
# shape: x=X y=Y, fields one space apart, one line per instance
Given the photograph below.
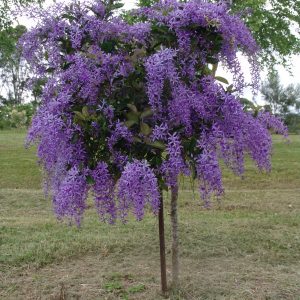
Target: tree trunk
x=163 y=268
x=175 y=250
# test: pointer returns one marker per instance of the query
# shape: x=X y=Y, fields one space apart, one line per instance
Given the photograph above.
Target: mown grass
x=246 y=247
x=18 y=165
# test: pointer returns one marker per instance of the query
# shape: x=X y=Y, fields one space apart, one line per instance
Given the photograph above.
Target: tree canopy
x=6 y=7
x=275 y=24
x=128 y=107
x=280 y=99
x=13 y=69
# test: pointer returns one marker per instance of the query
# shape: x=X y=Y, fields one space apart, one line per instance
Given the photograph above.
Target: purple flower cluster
x=103 y=189
x=120 y=131
x=174 y=164
x=272 y=122
x=127 y=108
x=187 y=21
x=160 y=67
x=210 y=176
x=137 y=187
x=160 y=132
x=69 y=200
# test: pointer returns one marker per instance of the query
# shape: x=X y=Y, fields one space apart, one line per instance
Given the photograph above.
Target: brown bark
x=175 y=241
x=163 y=269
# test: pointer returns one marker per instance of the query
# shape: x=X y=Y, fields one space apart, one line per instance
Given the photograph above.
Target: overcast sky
x=285 y=76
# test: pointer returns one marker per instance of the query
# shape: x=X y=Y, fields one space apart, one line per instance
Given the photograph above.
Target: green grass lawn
x=246 y=247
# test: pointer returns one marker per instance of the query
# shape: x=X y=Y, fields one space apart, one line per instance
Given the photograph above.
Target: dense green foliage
x=292 y=120
x=16 y=116
x=8 y=40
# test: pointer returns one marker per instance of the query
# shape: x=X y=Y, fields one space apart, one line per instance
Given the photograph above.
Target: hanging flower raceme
x=209 y=175
x=160 y=67
x=104 y=194
x=137 y=187
x=272 y=122
x=69 y=200
x=128 y=105
x=174 y=165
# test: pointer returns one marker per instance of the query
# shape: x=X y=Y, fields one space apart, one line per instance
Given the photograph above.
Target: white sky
x=285 y=76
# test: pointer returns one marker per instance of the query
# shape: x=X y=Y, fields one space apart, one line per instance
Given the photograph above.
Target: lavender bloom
x=104 y=193
x=175 y=163
x=69 y=201
x=272 y=122
x=209 y=175
x=201 y=14
x=119 y=132
x=159 y=67
x=137 y=187
x=107 y=110
x=160 y=132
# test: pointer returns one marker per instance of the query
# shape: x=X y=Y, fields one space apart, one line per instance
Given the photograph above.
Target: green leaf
x=68 y=17
x=162 y=184
x=222 y=79
x=137 y=54
x=79 y=115
x=212 y=60
x=108 y=46
x=85 y=111
x=132 y=107
x=145 y=129
x=137 y=140
x=130 y=123
x=132 y=116
x=50 y=70
x=158 y=145
x=90 y=179
x=117 y=5
x=248 y=103
x=75 y=138
x=230 y=88
x=147 y=113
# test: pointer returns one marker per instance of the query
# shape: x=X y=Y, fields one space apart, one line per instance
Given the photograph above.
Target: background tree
x=129 y=107
x=13 y=69
x=275 y=25
x=280 y=99
x=6 y=10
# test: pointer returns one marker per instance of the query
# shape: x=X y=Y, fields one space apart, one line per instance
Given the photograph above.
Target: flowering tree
x=131 y=103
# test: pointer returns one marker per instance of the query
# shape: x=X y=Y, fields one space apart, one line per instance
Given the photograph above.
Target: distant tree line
x=282 y=101
x=14 y=75
x=13 y=70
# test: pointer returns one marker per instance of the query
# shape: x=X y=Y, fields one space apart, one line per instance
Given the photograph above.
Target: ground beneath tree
x=94 y=277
